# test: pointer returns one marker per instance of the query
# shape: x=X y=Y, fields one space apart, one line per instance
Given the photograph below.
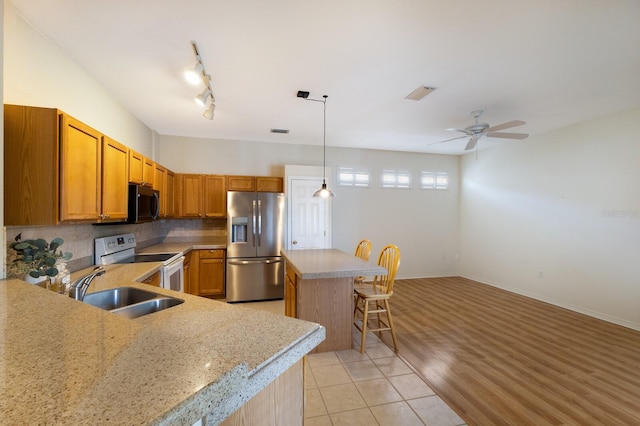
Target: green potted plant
x=36 y=258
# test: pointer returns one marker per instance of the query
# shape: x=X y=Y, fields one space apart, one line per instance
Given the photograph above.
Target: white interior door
x=310 y=221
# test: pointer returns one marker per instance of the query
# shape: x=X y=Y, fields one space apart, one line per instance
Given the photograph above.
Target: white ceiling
x=550 y=63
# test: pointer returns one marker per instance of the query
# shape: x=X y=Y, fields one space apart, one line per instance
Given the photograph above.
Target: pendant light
x=323 y=192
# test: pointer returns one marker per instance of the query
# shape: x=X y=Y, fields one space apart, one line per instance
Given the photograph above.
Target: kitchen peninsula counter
x=65 y=362
x=319 y=288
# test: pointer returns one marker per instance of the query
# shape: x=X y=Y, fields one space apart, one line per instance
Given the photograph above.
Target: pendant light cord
x=323 y=191
x=324 y=139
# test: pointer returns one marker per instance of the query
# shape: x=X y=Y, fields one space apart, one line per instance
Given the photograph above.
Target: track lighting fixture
x=199 y=75
x=194 y=76
x=208 y=113
x=323 y=192
x=203 y=97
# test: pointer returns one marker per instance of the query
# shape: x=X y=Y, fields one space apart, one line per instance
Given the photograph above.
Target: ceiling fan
x=475 y=131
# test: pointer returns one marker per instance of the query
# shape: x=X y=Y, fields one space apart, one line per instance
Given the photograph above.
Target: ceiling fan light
x=202 y=98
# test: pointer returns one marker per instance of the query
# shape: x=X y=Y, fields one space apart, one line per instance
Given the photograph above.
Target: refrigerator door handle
x=259 y=223
x=253 y=262
x=253 y=220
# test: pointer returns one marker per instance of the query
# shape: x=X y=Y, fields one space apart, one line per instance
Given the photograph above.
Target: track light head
x=194 y=76
x=202 y=98
x=208 y=113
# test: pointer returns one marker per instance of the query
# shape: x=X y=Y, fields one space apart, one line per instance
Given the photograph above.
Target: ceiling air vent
x=420 y=93
x=284 y=131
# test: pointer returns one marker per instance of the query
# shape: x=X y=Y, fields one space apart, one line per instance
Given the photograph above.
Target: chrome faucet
x=79 y=287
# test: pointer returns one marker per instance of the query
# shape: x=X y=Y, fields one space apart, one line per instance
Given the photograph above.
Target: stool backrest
x=389 y=259
x=363 y=249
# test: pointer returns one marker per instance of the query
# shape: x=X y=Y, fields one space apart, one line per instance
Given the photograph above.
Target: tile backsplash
x=78 y=238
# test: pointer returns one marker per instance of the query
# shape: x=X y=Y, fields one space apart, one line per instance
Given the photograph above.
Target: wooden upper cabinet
x=255 y=183
x=269 y=184
x=115 y=182
x=136 y=165
x=170 y=193
x=31 y=160
x=241 y=183
x=191 y=194
x=148 y=172
x=159 y=183
x=164 y=181
x=80 y=174
x=215 y=196
x=141 y=169
x=201 y=195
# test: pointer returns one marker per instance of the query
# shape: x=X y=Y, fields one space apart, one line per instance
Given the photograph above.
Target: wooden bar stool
x=378 y=294
x=363 y=250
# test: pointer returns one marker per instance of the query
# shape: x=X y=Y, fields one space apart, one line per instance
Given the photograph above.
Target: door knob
x=294 y=242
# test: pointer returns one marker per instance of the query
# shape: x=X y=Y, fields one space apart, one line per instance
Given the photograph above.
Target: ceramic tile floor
x=374 y=388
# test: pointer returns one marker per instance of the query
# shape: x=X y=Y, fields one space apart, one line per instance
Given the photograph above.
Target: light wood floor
x=498 y=358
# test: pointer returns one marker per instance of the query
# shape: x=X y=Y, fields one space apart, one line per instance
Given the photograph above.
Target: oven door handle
x=175 y=263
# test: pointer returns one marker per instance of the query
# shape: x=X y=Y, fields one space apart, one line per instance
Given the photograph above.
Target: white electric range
x=121 y=249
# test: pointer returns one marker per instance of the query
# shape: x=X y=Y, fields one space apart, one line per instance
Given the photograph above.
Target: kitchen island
x=319 y=288
x=65 y=362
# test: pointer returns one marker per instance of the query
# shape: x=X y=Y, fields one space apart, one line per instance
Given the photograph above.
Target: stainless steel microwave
x=144 y=204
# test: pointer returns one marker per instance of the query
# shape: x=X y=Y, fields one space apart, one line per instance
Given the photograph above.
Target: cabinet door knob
x=294 y=242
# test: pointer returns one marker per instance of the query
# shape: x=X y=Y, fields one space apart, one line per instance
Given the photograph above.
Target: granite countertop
x=328 y=263
x=65 y=362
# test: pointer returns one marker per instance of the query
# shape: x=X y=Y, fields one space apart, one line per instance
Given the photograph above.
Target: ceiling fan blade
x=452 y=139
x=466 y=132
x=507 y=125
x=508 y=135
x=472 y=143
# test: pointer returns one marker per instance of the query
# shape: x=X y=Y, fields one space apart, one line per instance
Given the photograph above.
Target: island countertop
x=65 y=362
x=328 y=263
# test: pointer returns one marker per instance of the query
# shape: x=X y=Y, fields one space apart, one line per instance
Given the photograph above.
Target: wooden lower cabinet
x=290 y=293
x=187 y=273
x=308 y=299
x=207 y=273
x=154 y=280
x=280 y=403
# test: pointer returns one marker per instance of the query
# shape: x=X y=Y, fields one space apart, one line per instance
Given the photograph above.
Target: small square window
x=348 y=176
x=431 y=180
x=396 y=179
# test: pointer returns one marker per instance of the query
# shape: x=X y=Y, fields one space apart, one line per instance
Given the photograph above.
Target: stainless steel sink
x=130 y=302
x=148 y=307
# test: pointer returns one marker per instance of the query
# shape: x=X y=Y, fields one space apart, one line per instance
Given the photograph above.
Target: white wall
x=424 y=224
x=38 y=73
x=557 y=217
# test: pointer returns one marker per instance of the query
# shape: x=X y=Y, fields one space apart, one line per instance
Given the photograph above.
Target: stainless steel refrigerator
x=255 y=235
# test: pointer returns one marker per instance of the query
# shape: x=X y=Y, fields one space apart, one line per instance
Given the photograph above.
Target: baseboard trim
x=594 y=314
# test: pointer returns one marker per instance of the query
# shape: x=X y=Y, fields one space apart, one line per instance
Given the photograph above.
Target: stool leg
x=393 y=333
x=365 y=318
x=379 y=308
